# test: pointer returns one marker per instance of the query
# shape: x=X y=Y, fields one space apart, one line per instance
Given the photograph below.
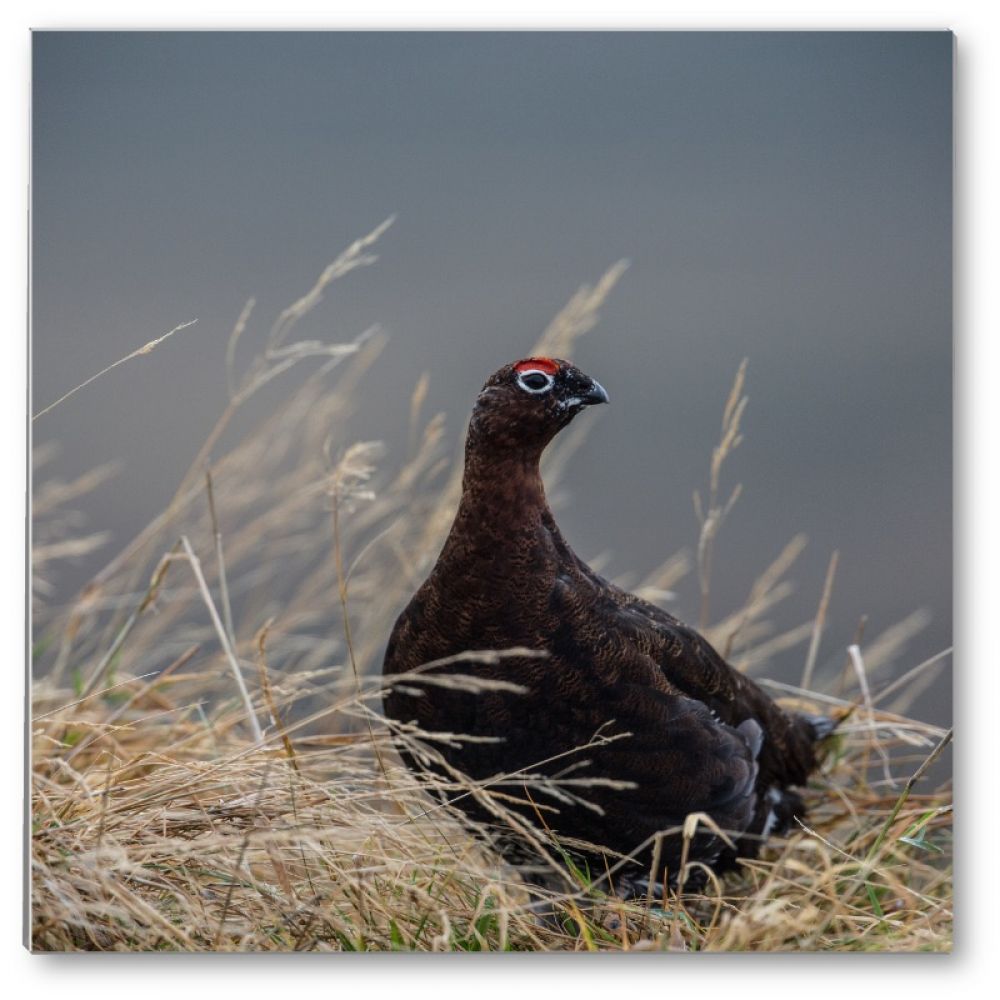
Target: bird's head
x=525 y=404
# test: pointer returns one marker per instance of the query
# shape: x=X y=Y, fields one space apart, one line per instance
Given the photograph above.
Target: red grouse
x=633 y=711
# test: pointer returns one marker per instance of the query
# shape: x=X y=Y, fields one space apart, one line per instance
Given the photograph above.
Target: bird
x=602 y=722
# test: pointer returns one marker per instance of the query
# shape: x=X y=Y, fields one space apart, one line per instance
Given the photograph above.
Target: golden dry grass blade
x=145 y=349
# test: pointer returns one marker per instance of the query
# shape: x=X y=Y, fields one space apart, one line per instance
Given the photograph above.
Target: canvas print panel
x=491 y=492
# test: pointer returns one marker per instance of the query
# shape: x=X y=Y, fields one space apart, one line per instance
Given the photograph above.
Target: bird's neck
x=503 y=530
x=503 y=497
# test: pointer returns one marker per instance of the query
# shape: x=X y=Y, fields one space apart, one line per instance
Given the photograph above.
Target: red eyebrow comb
x=546 y=365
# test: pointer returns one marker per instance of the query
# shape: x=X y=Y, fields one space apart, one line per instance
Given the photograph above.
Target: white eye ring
x=535 y=371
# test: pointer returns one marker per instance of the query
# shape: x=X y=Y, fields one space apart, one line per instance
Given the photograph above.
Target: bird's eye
x=534 y=381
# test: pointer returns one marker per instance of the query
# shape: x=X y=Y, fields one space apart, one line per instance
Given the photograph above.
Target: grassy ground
x=210 y=770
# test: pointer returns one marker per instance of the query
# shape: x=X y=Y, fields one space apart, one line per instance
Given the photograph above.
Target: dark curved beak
x=594 y=395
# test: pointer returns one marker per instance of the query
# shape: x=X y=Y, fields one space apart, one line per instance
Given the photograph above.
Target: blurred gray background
x=781 y=196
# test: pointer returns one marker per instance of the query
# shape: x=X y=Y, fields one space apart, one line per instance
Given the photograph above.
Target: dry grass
x=259 y=600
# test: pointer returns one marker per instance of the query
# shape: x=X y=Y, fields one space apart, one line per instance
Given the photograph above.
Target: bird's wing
x=682 y=760
x=691 y=665
x=689 y=662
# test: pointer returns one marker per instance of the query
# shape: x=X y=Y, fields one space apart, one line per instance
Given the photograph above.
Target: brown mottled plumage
x=701 y=737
